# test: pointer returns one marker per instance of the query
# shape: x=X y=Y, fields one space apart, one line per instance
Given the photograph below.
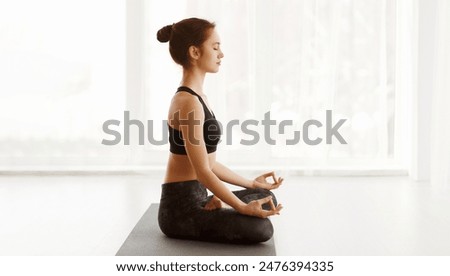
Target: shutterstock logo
x=331 y=130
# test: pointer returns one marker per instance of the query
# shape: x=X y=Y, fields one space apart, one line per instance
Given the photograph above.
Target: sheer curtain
x=440 y=127
x=68 y=67
x=294 y=59
x=62 y=74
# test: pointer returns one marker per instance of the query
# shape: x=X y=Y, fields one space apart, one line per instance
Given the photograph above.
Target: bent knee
x=264 y=231
x=260 y=230
x=164 y=225
x=173 y=227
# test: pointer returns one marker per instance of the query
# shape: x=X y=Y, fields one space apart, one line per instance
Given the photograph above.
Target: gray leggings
x=181 y=215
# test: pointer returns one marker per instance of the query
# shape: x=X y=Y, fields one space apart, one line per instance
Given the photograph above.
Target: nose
x=221 y=55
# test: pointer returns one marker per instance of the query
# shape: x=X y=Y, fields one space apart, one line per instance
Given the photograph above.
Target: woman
x=186 y=211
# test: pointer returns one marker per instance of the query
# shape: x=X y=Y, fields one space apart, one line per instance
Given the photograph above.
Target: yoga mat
x=146 y=239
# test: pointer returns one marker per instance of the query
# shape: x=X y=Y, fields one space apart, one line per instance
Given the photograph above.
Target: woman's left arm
x=227 y=175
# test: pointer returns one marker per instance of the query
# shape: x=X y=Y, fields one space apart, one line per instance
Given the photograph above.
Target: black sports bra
x=211 y=129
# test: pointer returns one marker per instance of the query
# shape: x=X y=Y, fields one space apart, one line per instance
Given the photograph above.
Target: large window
x=67 y=67
x=294 y=59
x=62 y=73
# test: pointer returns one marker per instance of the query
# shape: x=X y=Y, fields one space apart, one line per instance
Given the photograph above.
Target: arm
x=191 y=125
x=227 y=175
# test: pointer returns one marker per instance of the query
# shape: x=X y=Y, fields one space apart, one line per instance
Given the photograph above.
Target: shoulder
x=185 y=103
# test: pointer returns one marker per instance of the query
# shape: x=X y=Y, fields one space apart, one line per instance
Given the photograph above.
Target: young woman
x=185 y=211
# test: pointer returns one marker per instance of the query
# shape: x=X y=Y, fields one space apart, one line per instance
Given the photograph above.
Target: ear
x=194 y=52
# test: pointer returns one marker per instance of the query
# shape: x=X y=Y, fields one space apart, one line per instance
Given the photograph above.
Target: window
x=294 y=59
x=62 y=75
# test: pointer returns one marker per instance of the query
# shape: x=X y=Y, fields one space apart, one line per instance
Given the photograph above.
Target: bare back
x=179 y=167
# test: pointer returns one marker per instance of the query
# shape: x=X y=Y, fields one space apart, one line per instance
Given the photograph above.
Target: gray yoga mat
x=146 y=239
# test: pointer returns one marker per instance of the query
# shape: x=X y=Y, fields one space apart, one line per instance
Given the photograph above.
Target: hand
x=261 y=182
x=214 y=203
x=254 y=208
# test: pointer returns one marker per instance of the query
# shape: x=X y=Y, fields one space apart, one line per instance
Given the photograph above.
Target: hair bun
x=164 y=33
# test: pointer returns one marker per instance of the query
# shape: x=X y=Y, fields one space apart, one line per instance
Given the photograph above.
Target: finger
x=270 y=186
x=264 y=200
x=268 y=174
x=275 y=186
x=273 y=177
x=272 y=174
x=278 y=209
x=266 y=214
x=280 y=180
x=272 y=205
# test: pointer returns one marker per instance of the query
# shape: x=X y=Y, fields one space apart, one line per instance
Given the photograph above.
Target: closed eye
x=217 y=44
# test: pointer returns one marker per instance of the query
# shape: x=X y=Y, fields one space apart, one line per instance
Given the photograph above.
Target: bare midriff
x=179 y=168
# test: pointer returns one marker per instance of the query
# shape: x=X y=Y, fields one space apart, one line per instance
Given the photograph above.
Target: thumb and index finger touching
x=275 y=180
x=274 y=209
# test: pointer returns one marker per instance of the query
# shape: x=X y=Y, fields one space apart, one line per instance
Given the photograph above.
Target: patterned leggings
x=181 y=215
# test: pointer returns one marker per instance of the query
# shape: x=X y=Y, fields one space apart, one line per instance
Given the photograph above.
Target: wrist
x=251 y=184
x=241 y=207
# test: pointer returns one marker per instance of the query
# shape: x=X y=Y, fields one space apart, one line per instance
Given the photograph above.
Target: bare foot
x=214 y=203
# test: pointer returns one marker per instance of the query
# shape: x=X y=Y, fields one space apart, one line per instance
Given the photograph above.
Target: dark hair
x=182 y=35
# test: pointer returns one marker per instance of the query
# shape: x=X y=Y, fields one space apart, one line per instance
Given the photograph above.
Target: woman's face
x=211 y=54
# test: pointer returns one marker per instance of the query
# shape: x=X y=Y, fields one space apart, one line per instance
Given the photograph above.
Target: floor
x=93 y=214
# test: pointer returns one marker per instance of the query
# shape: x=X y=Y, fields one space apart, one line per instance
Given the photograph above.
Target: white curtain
x=295 y=59
x=63 y=72
x=440 y=127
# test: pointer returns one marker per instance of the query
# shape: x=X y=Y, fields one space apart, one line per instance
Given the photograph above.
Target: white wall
x=420 y=167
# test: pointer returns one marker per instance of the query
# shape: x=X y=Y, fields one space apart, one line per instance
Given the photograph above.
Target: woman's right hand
x=254 y=208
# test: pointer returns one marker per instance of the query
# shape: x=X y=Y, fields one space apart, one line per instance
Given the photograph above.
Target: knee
x=263 y=231
x=256 y=230
x=164 y=223
x=171 y=225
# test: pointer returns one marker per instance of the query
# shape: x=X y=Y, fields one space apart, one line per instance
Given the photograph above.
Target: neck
x=193 y=78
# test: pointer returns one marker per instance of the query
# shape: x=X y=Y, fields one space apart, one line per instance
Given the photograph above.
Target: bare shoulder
x=185 y=103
